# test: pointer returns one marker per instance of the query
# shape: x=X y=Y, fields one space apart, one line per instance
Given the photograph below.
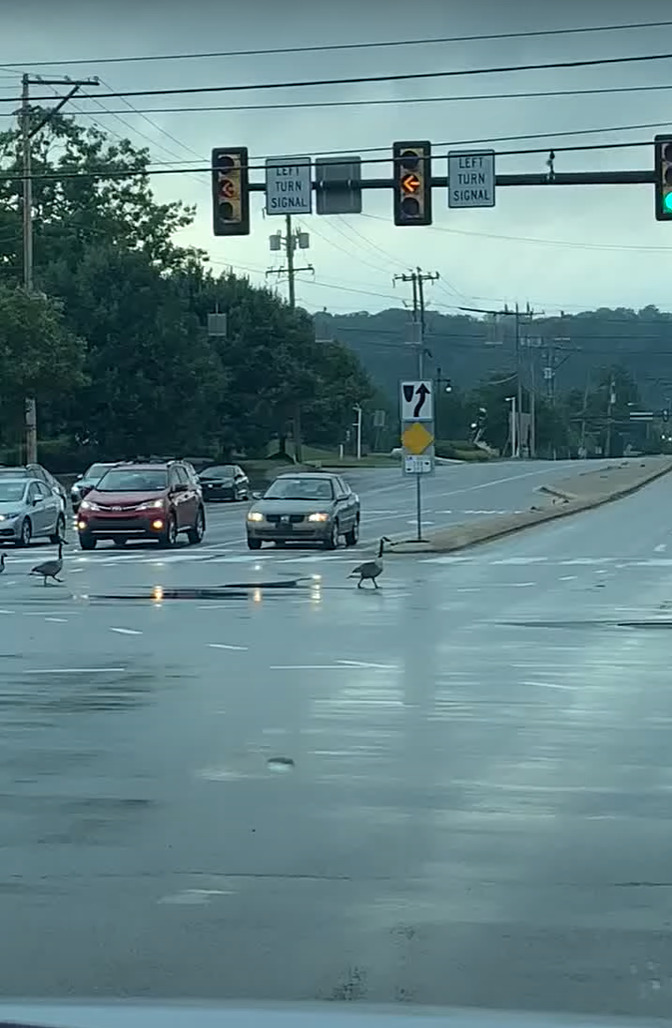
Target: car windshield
x=133 y=480
x=11 y=491
x=300 y=489
x=95 y=472
x=218 y=471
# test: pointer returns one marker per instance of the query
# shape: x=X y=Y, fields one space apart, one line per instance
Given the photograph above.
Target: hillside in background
x=469 y=349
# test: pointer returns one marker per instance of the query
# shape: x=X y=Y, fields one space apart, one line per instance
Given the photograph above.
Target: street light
x=358 y=426
x=514 y=424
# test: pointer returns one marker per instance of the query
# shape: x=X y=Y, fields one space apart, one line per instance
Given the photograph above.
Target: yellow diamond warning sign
x=416 y=438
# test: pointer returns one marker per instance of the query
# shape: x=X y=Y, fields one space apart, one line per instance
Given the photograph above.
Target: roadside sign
x=414 y=465
x=641 y=415
x=417 y=401
x=417 y=437
x=471 y=178
x=338 y=185
x=288 y=185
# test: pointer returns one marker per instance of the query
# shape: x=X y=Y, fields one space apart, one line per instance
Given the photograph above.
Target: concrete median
x=560 y=499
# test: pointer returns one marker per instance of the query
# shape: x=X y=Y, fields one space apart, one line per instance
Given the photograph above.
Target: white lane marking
x=660 y=547
x=568 y=578
x=126 y=631
x=59 y=621
x=519 y=561
x=364 y=663
x=553 y=685
x=194 y=897
x=307 y=667
x=225 y=646
x=7 y=612
x=71 y=670
x=521 y=585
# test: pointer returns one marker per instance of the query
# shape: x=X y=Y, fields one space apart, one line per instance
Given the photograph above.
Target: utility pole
x=610 y=407
x=27 y=133
x=292 y=240
x=417 y=279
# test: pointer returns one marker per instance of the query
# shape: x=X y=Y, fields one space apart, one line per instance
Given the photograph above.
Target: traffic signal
x=663 y=151
x=412 y=183
x=230 y=192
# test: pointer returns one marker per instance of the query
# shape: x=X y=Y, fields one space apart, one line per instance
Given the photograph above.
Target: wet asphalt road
x=455 y=790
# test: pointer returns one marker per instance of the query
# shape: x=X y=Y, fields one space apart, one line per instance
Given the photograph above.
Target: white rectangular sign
x=288 y=185
x=418 y=465
x=471 y=179
x=417 y=401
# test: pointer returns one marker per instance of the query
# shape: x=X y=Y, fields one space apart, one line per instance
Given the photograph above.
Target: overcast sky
x=556 y=247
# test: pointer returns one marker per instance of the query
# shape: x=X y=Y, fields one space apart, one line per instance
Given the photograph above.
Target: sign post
x=288 y=185
x=416 y=408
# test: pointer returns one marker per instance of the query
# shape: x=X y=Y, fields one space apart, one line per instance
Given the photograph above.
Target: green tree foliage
x=144 y=376
x=39 y=355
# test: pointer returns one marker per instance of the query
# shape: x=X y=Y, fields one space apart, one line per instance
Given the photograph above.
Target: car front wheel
x=86 y=541
x=352 y=537
x=25 y=533
x=331 y=542
x=253 y=544
x=169 y=538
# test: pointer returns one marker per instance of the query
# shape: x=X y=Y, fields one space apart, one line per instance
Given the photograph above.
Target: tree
x=341 y=383
x=39 y=355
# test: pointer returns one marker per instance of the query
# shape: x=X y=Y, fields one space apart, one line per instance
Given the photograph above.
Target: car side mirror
x=181 y=487
x=256 y=495
x=36 y=500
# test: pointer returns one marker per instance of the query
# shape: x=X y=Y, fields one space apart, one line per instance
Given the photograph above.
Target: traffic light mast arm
x=561 y=178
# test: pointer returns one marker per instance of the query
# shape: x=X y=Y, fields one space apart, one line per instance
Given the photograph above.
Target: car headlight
x=8 y=517
x=255 y=515
x=150 y=505
x=321 y=516
x=89 y=505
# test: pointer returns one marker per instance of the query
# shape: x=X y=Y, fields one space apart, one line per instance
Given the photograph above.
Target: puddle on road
x=229 y=591
x=280 y=765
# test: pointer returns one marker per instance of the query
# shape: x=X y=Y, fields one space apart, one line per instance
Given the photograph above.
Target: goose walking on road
x=370 y=569
x=50 y=568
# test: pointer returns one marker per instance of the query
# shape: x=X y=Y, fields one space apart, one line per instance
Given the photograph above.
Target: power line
x=333 y=47
x=309 y=104
x=361 y=79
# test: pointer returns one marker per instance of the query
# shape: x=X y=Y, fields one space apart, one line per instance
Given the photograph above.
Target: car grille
x=292 y=519
x=119 y=524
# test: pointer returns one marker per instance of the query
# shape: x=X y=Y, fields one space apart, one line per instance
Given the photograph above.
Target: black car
x=224 y=482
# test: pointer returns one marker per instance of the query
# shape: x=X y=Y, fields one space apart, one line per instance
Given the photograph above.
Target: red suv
x=143 y=500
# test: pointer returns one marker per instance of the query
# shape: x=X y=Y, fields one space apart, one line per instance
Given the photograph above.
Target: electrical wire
x=362 y=79
x=535 y=240
x=331 y=47
x=309 y=104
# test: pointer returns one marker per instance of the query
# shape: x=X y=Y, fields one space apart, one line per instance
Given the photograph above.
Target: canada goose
x=50 y=568
x=370 y=569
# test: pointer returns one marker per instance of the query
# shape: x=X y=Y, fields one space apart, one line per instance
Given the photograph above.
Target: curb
x=485 y=531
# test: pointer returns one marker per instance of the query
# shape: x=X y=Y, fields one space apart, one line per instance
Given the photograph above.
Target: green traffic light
x=667 y=202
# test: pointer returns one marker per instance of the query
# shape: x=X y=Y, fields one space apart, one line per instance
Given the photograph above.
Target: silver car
x=305 y=507
x=29 y=509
